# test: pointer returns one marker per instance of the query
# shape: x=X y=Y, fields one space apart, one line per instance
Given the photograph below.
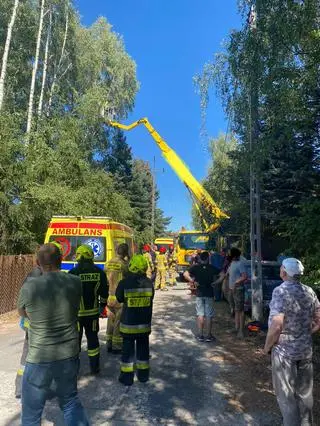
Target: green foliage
x=74 y=164
x=227 y=183
x=141 y=202
x=276 y=69
x=304 y=234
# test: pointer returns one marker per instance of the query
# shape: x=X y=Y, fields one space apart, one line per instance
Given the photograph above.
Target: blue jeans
x=37 y=388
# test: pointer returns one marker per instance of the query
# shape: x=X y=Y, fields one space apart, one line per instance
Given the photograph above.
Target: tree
x=287 y=52
x=141 y=203
x=35 y=68
x=227 y=183
x=45 y=64
x=118 y=159
x=74 y=164
x=58 y=72
x=6 y=52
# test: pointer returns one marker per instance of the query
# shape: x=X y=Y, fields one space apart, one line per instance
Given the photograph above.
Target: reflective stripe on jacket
x=94 y=288
x=136 y=292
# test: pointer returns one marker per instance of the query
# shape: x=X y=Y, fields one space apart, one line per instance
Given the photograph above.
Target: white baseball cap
x=293 y=266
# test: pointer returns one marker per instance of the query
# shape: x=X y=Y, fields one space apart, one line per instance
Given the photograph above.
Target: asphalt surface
x=186 y=387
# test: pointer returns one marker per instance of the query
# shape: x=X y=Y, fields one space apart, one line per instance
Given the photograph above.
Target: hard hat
x=146 y=247
x=171 y=247
x=162 y=250
x=138 y=264
x=84 y=251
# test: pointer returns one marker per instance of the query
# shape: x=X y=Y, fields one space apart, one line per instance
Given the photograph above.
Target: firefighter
x=161 y=263
x=146 y=249
x=117 y=269
x=136 y=292
x=93 y=301
x=172 y=262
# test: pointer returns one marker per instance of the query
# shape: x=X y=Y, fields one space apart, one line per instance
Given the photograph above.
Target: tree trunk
x=35 y=69
x=45 y=65
x=58 y=67
x=6 y=52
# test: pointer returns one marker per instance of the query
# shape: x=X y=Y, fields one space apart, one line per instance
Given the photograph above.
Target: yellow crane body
x=202 y=199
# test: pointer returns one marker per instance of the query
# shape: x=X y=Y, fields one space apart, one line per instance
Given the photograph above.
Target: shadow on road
x=191 y=383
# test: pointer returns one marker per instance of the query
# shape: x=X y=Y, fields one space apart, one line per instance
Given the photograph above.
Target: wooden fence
x=13 y=271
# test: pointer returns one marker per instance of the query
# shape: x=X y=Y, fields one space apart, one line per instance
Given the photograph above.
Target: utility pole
x=255 y=212
x=153 y=196
x=153 y=199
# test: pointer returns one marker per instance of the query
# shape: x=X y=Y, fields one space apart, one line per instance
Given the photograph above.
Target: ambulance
x=165 y=242
x=101 y=233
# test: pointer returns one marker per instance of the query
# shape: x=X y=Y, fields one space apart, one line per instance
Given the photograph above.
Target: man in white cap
x=294 y=317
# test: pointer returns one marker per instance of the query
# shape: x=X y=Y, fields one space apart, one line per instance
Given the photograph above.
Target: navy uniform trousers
x=135 y=357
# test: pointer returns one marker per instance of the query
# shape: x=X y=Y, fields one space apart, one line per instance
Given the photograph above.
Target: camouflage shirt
x=300 y=306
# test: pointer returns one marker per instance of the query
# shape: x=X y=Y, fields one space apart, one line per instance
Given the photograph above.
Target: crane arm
x=202 y=198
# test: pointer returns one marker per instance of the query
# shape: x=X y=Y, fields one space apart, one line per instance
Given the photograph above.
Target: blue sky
x=170 y=40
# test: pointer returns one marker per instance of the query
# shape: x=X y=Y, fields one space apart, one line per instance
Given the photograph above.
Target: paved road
x=186 y=386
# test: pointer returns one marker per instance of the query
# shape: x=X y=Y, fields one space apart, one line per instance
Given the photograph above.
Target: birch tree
x=6 y=51
x=59 y=65
x=45 y=65
x=35 y=69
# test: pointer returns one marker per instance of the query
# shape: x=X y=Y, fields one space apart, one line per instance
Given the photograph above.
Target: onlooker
x=195 y=259
x=217 y=260
x=51 y=302
x=24 y=324
x=294 y=316
x=136 y=292
x=225 y=275
x=237 y=277
x=202 y=277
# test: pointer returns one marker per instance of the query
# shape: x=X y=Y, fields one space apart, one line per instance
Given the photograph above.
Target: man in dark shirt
x=51 y=302
x=202 y=278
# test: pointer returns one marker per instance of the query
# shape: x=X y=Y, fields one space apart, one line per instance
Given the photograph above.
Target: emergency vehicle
x=165 y=242
x=188 y=243
x=101 y=233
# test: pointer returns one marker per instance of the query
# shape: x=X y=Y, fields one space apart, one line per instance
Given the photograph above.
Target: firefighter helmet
x=146 y=248
x=162 y=250
x=138 y=264
x=84 y=251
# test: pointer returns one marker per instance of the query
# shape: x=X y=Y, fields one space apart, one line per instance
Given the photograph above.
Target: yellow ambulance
x=101 y=233
x=164 y=242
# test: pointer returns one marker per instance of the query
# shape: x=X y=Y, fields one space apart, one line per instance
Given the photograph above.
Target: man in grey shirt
x=294 y=316
x=51 y=303
x=237 y=277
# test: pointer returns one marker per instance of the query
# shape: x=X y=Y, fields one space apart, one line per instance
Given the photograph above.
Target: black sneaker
x=210 y=339
x=200 y=338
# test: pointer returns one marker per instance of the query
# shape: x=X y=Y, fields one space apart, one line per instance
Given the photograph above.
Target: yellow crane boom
x=202 y=199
